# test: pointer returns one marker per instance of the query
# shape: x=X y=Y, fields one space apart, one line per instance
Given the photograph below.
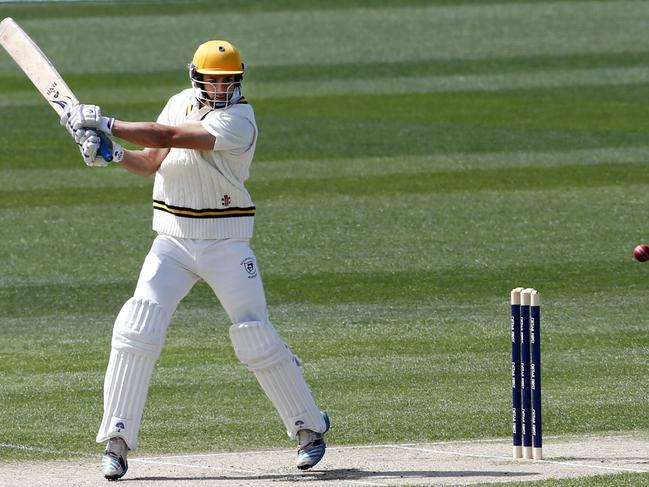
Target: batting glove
x=110 y=150
x=98 y=150
x=65 y=116
x=86 y=116
x=89 y=148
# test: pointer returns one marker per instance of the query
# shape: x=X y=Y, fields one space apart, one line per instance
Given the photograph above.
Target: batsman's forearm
x=146 y=134
x=143 y=162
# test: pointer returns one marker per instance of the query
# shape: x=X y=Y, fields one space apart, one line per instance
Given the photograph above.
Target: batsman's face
x=219 y=87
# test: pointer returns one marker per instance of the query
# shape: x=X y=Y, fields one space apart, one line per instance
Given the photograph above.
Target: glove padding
x=84 y=117
x=89 y=146
x=82 y=135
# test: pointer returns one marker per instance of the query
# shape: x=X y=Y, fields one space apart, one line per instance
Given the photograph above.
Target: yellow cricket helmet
x=217 y=57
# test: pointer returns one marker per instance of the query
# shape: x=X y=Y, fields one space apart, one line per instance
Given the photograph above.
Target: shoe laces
x=307 y=438
x=116 y=447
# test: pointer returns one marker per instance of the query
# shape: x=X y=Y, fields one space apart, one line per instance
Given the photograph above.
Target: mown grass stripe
x=502 y=65
x=70 y=196
x=289 y=90
x=77 y=176
x=57 y=8
x=370 y=34
x=286 y=137
x=409 y=285
x=438 y=182
x=434 y=182
x=425 y=68
x=399 y=84
x=267 y=170
x=43 y=9
x=517 y=109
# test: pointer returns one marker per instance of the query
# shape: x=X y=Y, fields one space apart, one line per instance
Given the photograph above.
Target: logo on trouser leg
x=249 y=265
x=120 y=426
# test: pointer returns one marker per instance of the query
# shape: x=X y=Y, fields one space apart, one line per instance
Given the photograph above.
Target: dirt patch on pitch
x=442 y=463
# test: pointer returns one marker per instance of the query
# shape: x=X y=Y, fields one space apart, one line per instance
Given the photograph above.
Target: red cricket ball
x=641 y=253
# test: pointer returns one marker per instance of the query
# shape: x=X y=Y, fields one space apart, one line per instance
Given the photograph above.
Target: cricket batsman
x=200 y=150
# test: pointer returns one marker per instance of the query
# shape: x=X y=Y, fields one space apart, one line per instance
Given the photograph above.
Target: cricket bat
x=41 y=72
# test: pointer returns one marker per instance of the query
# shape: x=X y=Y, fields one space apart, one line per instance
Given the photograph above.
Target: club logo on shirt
x=226 y=200
x=249 y=265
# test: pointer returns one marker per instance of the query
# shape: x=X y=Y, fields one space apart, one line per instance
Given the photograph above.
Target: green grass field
x=415 y=163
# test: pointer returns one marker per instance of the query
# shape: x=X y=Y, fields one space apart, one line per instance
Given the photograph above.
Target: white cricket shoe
x=113 y=463
x=311 y=445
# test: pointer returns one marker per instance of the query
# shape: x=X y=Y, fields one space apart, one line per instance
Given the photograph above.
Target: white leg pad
x=138 y=336
x=262 y=350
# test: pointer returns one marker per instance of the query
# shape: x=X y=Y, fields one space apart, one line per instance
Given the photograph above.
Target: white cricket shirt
x=201 y=194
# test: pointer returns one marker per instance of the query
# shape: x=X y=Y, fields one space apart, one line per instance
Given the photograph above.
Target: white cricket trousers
x=228 y=266
x=171 y=268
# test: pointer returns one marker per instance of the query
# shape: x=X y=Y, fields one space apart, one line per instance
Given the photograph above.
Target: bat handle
x=105 y=147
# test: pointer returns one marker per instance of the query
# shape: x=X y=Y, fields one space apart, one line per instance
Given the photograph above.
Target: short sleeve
x=231 y=132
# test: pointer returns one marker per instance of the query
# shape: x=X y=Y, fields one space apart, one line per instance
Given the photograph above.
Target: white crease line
x=497 y=457
x=173 y=464
x=329 y=448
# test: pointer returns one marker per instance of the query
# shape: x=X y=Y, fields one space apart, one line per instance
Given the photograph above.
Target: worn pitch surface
x=440 y=463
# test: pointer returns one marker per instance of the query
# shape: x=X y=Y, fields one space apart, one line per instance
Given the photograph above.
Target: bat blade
x=36 y=66
x=40 y=70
